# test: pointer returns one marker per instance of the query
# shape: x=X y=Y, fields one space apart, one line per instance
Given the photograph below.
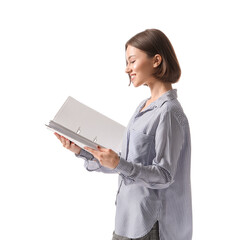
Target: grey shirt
x=154 y=172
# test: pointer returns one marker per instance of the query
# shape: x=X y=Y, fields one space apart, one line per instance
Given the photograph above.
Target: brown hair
x=152 y=42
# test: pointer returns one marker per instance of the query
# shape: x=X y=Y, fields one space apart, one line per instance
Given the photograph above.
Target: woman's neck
x=158 y=88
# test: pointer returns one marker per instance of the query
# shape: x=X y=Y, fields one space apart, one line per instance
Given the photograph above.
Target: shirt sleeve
x=92 y=164
x=160 y=174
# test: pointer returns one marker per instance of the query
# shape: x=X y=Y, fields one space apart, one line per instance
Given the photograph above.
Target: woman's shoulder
x=174 y=109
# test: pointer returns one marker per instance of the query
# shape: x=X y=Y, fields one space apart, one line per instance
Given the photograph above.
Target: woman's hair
x=152 y=42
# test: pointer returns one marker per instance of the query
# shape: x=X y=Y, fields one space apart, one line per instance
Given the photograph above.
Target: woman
x=154 y=195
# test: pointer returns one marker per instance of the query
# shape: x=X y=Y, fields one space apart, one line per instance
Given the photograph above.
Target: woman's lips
x=132 y=76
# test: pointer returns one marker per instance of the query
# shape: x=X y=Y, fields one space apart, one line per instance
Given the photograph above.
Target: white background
x=52 y=49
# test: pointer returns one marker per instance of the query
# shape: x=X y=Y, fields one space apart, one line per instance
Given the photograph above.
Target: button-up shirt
x=154 y=172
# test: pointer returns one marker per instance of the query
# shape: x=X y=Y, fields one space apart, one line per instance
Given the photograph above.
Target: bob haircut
x=152 y=42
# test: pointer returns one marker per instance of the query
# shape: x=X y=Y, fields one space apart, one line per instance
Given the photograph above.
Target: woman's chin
x=136 y=84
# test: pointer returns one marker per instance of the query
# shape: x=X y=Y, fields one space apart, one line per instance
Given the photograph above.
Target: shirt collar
x=169 y=95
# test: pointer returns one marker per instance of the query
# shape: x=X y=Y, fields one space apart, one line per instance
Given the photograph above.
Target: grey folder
x=87 y=127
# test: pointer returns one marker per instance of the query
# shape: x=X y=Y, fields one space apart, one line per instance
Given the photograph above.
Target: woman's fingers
x=63 y=141
x=61 y=138
x=67 y=143
x=57 y=135
x=106 y=157
x=91 y=150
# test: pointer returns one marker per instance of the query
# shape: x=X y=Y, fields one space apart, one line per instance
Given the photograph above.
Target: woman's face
x=139 y=66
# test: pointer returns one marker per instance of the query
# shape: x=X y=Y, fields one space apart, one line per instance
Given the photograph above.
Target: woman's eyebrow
x=131 y=56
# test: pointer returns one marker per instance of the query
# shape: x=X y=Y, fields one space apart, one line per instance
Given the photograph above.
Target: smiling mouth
x=132 y=76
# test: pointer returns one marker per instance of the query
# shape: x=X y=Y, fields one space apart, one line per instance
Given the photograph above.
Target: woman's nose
x=127 y=69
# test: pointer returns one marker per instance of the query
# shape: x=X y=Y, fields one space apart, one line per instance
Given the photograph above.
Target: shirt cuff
x=83 y=153
x=124 y=167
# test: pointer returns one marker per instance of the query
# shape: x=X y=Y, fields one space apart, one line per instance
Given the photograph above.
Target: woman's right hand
x=68 y=144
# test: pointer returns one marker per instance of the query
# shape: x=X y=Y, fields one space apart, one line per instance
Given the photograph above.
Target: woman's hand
x=107 y=157
x=68 y=144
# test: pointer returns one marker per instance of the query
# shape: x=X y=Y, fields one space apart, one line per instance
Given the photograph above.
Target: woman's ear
x=157 y=59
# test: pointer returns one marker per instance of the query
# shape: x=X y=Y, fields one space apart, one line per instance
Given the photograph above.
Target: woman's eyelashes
x=131 y=62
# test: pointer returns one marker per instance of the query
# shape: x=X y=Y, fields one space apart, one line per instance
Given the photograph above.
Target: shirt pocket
x=139 y=146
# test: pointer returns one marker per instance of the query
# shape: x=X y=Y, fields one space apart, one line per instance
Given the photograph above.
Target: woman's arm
x=169 y=141
x=92 y=164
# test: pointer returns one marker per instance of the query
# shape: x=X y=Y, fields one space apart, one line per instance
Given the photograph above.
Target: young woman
x=154 y=196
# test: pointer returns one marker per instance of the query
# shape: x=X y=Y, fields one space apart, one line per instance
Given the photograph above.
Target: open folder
x=86 y=127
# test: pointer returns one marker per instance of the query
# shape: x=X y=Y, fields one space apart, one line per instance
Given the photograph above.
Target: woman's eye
x=132 y=61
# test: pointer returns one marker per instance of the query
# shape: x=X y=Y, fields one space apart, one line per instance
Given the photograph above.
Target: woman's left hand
x=107 y=157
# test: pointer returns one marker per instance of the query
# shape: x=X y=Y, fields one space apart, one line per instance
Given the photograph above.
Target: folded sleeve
x=169 y=138
x=92 y=164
